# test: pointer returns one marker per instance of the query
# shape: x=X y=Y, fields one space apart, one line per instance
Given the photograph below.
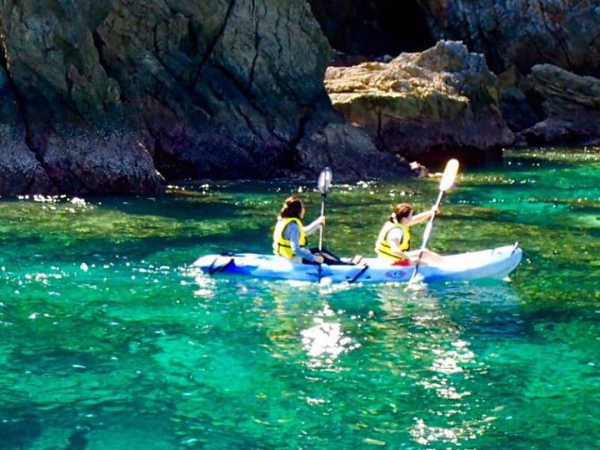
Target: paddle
x=324 y=182
x=445 y=184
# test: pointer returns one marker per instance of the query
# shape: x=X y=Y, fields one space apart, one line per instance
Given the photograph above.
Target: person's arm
x=314 y=226
x=292 y=233
x=422 y=217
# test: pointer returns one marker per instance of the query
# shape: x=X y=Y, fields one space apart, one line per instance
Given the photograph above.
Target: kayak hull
x=493 y=263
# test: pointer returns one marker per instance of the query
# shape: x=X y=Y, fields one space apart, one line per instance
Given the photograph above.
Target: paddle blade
x=449 y=175
x=325 y=180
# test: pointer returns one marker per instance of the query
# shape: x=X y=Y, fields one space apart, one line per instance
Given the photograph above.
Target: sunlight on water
x=325 y=341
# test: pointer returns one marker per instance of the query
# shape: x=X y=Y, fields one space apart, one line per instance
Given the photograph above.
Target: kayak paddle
x=324 y=182
x=445 y=184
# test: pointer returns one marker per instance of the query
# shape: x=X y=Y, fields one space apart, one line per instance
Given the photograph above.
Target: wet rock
x=20 y=171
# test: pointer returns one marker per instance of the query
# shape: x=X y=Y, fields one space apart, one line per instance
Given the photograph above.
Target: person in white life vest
x=289 y=237
x=393 y=242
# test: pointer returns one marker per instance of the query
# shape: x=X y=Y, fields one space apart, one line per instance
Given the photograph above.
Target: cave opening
x=373 y=28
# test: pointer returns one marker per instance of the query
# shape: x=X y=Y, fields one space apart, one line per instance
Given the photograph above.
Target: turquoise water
x=111 y=341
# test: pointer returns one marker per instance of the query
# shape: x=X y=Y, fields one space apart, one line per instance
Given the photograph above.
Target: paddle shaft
x=426 y=235
x=323 y=182
x=429 y=228
x=321 y=228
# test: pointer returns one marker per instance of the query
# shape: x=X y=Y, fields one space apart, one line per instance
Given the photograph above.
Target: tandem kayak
x=492 y=263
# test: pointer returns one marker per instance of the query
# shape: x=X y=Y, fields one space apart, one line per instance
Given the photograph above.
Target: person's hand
x=322 y=220
x=437 y=210
x=319 y=259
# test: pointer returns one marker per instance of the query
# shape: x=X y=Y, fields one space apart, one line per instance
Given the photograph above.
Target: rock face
x=107 y=95
x=121 y=96
x=522 y=33
x=520 y=41
x=19 y=169
x=571 y=106
x=427 y=105
x=68 y=122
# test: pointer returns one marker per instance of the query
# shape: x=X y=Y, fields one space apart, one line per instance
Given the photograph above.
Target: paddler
x=393 y=242
x=289 y=237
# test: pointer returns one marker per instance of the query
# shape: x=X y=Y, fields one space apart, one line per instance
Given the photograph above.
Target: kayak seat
x=402 y=262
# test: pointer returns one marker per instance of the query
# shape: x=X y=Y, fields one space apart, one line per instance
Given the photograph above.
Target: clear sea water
x=110 y=341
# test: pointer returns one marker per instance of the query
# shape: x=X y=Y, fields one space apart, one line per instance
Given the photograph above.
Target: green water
x=110 y=341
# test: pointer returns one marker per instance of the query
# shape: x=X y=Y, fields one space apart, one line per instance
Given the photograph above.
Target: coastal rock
x=109 y=92
x=571 y=105
x=425 y=106
x=19 y=169
x=516 y=36
x=522 y=33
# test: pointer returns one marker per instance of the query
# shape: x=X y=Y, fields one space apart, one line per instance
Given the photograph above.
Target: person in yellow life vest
x=289 y=237
x=393 y=242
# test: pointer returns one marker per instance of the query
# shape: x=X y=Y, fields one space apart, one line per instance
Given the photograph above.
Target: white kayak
x=493 y=263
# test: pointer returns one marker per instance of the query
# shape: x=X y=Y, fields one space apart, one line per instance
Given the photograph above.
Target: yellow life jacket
x=383 y=247
x=282 y=246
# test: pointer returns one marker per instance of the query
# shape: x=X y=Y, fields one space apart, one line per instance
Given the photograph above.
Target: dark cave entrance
x=373 y=28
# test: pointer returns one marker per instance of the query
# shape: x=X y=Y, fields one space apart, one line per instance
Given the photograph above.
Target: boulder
x=425 y=106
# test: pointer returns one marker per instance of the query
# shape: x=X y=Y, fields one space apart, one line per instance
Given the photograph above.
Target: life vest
x=282 y=246
x=383 y=247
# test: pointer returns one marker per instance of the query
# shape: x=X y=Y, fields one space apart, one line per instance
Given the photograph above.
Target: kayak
x=491 y=263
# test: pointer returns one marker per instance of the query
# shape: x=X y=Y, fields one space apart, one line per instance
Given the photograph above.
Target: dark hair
x=401 y=210
x=292 y=207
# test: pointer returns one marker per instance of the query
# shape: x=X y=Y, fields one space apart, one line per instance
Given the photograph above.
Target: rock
x=549 y=131
x=571 y=105
x=424 y=106
x=109 y=92
x=20 y=171
x=521 y=34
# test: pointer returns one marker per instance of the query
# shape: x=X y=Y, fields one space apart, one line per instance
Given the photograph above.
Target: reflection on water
x=326 y=341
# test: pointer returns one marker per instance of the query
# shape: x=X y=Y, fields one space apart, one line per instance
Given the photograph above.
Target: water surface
x=110 y=341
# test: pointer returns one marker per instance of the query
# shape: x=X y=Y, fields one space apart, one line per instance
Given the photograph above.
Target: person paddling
x=289 y=237
x=393 y=241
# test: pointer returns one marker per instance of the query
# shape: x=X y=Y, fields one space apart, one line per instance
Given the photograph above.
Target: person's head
x=292 y=207
x=401 y=211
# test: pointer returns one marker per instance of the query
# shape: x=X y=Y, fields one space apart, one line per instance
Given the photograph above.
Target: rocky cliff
x=520 y=40
x=111 y=96
x=122 y=96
